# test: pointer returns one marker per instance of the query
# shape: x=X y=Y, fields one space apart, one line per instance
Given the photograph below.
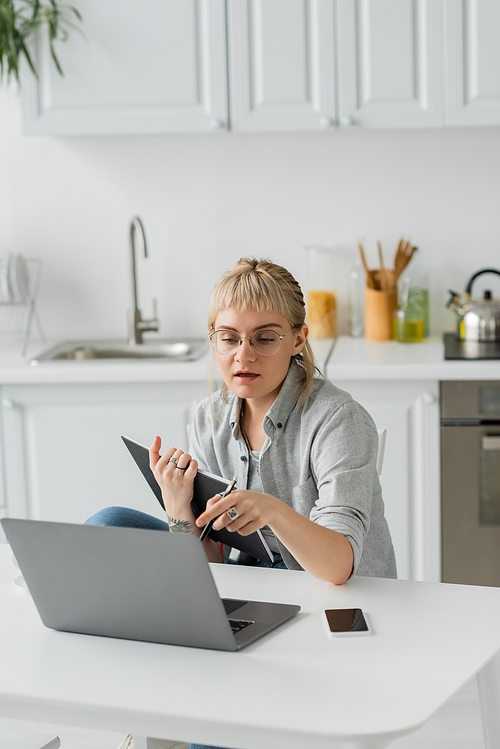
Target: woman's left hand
x=255 y=510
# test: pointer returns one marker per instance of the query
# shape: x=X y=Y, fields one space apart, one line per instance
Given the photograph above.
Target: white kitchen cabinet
x=389 y=63
x=268 y=65
x=472 y=62
x=3 y=509
x=411 y=472
x=152 y=67
x=281 y=64
x=64 y=458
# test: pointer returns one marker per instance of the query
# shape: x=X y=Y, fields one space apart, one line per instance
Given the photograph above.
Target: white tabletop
x=296 y=687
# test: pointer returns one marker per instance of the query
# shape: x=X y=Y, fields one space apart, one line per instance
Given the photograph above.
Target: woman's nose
x=246 y=351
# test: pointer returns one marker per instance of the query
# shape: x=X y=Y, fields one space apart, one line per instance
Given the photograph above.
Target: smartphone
x=346 y=622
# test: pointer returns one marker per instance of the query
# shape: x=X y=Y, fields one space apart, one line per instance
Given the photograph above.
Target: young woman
x=303 y=452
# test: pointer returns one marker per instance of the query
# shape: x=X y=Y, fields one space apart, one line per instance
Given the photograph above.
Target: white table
x=296 y=687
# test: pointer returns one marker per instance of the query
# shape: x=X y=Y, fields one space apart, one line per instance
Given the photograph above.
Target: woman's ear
x=300 y=339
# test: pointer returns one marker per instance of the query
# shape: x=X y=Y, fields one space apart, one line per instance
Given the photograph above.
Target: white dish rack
x=18 y=301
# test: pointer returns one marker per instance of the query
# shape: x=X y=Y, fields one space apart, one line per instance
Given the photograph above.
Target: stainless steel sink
x=90 y=350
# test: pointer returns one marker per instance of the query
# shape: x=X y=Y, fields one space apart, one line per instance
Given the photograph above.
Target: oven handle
x=491 y=443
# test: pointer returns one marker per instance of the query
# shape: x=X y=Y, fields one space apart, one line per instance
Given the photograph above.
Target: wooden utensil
x=383 y=279
x=404 y=254
x=369 y=278
x=400 y=254
x=387 y=276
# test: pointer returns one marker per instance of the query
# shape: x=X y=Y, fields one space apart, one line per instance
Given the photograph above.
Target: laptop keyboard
x=238 y=624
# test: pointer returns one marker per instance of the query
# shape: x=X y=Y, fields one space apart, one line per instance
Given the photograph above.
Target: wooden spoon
x=400 y=254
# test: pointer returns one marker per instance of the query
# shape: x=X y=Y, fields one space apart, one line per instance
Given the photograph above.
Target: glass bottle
x=411 y=321
x=357 y=284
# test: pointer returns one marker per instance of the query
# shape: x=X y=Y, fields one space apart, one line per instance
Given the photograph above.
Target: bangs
x=257 y=291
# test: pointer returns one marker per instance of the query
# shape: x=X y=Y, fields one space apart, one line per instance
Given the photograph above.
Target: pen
x=206 y=530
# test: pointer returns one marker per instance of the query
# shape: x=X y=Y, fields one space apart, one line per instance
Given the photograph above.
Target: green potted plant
x=19 y=20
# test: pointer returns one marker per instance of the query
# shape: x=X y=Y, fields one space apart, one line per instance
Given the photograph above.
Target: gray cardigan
x=319 y=458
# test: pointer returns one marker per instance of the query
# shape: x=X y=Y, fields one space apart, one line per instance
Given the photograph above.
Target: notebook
x=133 y=584
x=206 y=485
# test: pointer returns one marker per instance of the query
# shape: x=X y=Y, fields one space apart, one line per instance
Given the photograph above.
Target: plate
x=6 y=292
x=19 y=278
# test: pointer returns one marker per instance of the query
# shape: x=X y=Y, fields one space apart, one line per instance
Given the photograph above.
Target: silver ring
x=232 y=513
x=173 y=460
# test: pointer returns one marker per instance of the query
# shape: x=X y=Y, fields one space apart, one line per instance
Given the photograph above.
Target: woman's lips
x=246 y=376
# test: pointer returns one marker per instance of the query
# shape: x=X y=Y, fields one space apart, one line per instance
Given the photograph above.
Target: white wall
x=205 y=200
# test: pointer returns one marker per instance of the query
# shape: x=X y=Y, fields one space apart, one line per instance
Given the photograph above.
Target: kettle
x=478 y=319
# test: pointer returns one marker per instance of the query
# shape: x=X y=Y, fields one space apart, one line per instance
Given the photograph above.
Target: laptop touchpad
x=230 y=604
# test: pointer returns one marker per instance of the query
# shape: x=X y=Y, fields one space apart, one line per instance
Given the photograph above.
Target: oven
x=470 y=469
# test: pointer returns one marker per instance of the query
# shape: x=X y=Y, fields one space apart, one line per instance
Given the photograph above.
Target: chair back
x=382 y=434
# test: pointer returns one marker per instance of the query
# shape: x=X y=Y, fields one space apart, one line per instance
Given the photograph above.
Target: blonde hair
x=265 y=287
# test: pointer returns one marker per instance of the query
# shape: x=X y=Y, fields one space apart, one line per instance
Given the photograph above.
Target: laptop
x=206 y=485
x=134 y=584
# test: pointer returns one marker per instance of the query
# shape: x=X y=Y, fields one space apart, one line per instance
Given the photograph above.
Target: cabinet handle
x=347 y=121
x=491 y=443
x=326 y=122
x=216 y=124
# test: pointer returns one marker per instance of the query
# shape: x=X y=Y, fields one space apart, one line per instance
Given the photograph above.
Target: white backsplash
x=206 y=200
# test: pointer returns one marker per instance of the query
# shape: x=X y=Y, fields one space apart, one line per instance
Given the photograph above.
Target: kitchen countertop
x=344 y=359
x=359 y=359
x=16 y=370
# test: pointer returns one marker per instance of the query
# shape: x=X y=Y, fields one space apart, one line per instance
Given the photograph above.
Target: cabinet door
x=410 y=476
x=152 y=67
x=473 y=62
x=64 y=459
x=390 y=63
x=281 y=64
x=2 y=480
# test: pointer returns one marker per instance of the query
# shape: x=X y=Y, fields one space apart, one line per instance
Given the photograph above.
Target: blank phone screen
x=346 y=620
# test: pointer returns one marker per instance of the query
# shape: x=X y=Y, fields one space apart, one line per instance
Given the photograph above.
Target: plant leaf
x=20 y=19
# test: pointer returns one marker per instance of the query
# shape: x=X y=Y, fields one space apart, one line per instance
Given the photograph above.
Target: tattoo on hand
x=180 y=526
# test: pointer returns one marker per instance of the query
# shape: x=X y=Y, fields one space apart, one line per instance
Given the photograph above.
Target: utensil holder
x=379 y=313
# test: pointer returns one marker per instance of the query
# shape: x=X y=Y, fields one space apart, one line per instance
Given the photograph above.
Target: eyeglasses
x=264 y=342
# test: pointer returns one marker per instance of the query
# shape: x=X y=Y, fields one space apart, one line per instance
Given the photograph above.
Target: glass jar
x=409 y=319
x=321 y=300
x=407 y=327
x=414 y=295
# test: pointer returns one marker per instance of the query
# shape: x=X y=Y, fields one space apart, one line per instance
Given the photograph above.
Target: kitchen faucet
x=136 y=325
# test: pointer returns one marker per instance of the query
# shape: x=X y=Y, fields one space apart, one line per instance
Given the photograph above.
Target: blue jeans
x=125 y=517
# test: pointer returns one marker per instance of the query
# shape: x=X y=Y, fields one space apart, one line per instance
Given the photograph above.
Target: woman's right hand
x=175 y=479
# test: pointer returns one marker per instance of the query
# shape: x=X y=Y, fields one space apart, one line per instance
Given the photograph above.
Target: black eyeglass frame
x=249 y=338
